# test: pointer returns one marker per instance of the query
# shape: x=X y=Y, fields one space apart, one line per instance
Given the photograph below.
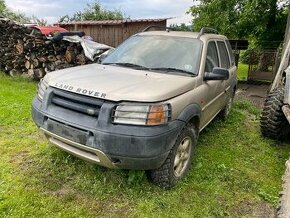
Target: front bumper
x=104 y=143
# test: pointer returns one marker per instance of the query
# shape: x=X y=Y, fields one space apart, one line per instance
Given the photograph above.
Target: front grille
x=76 y=102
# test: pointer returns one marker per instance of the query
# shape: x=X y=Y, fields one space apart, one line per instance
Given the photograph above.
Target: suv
x=144 y=106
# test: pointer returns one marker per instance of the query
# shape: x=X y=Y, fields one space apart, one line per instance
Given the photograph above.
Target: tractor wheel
x=273 y=122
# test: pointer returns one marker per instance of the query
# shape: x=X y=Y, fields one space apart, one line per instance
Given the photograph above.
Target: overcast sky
x=51 y=10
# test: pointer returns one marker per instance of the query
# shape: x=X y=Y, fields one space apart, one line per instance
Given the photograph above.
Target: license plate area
x=68 y=132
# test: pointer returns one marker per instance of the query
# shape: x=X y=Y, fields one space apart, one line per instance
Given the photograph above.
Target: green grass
x=243 y=72
x=236 y=172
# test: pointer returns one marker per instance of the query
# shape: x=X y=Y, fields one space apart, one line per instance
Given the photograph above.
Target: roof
x=46 y=30
x=111 y=22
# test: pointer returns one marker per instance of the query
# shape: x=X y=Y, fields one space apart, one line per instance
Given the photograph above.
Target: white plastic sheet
x=91 y=48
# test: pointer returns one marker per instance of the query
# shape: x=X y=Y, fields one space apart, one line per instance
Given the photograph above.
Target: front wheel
x=178 y=162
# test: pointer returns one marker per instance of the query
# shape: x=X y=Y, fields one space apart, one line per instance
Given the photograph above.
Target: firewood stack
x=34 y=56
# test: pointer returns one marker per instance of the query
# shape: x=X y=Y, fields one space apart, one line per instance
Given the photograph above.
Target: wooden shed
x=112 y=32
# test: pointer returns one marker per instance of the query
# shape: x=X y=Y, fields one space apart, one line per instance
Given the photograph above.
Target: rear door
x=226 y=64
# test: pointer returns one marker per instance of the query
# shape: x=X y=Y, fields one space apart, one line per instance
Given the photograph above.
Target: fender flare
x=191 y=111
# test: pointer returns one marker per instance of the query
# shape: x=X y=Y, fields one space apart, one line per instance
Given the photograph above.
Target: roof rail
x=157 y=27
x=205 y=30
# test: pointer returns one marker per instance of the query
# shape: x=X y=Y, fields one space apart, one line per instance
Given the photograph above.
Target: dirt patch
x=62 y=191
x=22 y=160
x=256 y=94
x=258 y=210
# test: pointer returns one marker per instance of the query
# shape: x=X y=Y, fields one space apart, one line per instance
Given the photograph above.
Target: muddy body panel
x=126 y=146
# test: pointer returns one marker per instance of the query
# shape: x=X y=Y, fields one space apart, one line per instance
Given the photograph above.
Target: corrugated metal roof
x=110 y=22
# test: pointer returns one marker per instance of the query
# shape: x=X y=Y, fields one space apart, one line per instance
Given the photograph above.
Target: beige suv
x=144 y=106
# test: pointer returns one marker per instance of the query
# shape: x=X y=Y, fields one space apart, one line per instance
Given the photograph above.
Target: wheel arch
x=191 y=114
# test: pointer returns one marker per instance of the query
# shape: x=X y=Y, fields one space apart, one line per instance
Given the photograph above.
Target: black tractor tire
x=166 y=176
x=273 y=123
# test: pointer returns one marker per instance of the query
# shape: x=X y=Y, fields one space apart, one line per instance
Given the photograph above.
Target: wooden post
x=287 y=31
x=276 y=72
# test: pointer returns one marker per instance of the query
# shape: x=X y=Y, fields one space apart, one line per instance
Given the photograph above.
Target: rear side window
x=232 y=57
x=212 y=59
x=225 y=61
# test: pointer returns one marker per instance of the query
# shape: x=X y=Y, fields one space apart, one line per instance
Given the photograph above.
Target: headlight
x=42 y=86
x=142 y=114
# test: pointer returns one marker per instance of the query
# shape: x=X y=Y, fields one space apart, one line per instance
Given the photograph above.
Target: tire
x=273 y=123
x=171 y=170
x=224 y=113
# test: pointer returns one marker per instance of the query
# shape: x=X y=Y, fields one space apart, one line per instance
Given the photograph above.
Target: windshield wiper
x=170 y=69
x=131 y=65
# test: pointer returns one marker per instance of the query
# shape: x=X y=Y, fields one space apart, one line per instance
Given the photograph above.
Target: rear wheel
x=178 y=162
x=273 y=122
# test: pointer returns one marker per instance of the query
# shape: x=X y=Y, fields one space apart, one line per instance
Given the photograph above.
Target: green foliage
x=245 y=57
x=39 y=21
x=94 y=11
x=243 y=72
x=263 y=21
x=2 y=6
x=135 y=177
x=181 y=27
x=16 y=16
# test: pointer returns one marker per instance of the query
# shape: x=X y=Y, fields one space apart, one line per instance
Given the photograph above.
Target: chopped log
x=34 y=56
x=42 y=59
x=81 y=59
x=70 y=56
x=39 y=73
x=19 y=47
x=30 y=73
x=49 y=67
x=35 y=63
x=27 y=64
x=14 y=73
x=51 y=58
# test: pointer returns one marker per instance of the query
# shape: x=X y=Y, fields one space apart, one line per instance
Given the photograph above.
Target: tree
x=94 y=11
x=181 y=27
x=262 y=21
x=16 y=16
x=2 y=6
x=39 y=21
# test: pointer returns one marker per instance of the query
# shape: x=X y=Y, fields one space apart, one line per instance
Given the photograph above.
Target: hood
x=119 y=83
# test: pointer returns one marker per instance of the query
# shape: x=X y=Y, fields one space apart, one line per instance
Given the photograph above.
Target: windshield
x=163 y=53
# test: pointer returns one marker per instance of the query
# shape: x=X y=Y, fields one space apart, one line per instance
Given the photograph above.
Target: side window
x=225 y=61
x=212 y=59
x=232 y=56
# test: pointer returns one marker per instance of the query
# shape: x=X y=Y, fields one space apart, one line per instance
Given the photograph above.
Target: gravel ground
x=253 y=93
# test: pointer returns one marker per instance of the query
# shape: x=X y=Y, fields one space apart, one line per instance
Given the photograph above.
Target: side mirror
x=217 y=74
